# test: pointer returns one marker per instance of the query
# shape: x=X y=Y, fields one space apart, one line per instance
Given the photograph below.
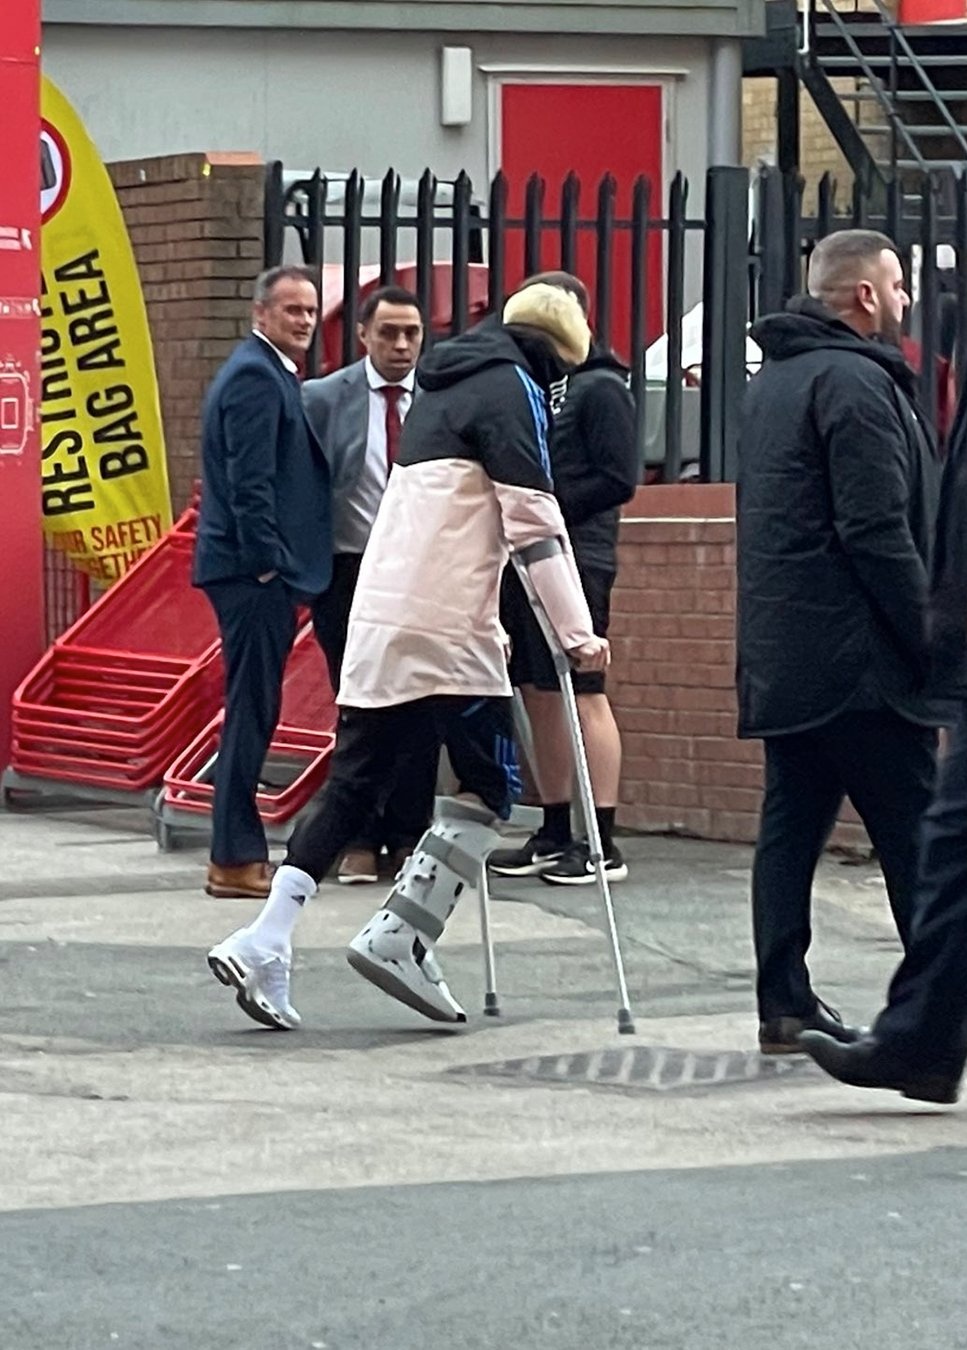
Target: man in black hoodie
x=837 y=497
x=594 y=465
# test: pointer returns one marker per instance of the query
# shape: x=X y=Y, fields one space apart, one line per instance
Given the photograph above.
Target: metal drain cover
x=646 y=1068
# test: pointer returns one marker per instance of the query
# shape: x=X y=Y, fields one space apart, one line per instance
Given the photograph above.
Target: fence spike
x=533 y=223
x=570 y=206
x=497 y=244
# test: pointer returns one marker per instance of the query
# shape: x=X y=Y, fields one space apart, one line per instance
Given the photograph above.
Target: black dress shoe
x=780 y=1035
x=867 y=1063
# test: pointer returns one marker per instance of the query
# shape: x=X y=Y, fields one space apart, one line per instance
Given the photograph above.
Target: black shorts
x=530 y=657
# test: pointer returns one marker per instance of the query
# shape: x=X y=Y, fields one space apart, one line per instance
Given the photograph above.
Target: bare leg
x=553 y=767
x=603 y=744
x=552 y=749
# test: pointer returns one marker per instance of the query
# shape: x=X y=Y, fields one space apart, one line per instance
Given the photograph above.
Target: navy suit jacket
x=265 y=502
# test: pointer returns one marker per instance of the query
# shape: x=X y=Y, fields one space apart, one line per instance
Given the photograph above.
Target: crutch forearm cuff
x=543 y=548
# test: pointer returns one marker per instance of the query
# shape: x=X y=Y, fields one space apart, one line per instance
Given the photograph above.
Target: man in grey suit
x=357 y=414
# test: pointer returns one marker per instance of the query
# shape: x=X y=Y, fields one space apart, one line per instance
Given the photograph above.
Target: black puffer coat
x=836 y=506
x=594 y=457
x=948 y=616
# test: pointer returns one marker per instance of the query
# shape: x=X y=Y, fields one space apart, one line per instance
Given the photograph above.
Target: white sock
x=291 y=888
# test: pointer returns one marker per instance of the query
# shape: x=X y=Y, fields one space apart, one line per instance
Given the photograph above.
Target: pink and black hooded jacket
x=471 y=481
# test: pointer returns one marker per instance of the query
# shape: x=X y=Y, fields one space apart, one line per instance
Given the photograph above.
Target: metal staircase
x=902 y=116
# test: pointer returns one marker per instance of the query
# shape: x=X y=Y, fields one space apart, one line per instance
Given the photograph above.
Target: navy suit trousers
x=257 y=623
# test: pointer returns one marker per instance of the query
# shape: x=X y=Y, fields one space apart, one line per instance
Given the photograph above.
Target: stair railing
x=900 y=44
x=898 y=129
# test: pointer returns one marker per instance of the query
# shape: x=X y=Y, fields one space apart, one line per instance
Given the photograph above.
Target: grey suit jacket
x=337 y=409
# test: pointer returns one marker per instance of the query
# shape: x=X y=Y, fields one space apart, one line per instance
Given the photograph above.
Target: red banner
x=21 y=556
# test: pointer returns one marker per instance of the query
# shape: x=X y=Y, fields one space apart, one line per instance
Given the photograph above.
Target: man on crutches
x=425 y=659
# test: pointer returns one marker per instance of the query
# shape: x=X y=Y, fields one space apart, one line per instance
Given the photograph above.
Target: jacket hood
x=602 y=358
x=806 y=325
x=491 y=343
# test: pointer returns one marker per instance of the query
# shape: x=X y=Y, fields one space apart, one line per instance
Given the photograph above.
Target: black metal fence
x=483 y=249
x=649 y=267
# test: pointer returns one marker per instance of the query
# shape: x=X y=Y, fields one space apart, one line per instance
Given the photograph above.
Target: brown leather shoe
x=358 y=867
x=246 y=881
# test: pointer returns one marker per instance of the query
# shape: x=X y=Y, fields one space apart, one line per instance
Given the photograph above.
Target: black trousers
x=401 y=814
x=257 y=624
x=372 y=743
x=886 y=766
x=925 y=1019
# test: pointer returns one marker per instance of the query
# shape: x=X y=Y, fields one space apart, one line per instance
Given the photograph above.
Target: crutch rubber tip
x=491 y=1006
x=626 y=1026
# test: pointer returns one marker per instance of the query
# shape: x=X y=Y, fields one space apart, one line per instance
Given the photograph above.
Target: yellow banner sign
x=104 y=474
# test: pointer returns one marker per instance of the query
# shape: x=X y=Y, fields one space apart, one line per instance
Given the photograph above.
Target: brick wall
x=196 y=227
x=672 y=682
x=818 y=152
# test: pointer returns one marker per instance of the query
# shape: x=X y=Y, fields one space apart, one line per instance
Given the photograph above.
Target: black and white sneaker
x=527 y=861
x=574 y=868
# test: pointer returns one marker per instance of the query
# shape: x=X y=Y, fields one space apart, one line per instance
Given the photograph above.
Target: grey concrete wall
x=337 y=99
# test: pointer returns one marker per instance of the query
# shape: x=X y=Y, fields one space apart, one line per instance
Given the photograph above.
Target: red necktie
x=394 y=424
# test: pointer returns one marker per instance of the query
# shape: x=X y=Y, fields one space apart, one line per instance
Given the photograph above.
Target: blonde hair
x=556 y=312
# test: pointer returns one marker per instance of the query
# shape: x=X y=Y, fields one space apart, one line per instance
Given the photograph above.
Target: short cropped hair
x=392 y=295
x=565 y=281
x=266 y=282
x=840 y=259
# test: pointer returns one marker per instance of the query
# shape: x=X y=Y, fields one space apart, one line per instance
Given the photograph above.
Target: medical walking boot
x=390 y=954
x=395 y=949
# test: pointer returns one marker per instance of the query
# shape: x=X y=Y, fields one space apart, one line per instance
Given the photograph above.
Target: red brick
x=719 y=626
x=731 y=799
x=727 y=774
x=728 y=751
x=670 y=772
x=670 y=794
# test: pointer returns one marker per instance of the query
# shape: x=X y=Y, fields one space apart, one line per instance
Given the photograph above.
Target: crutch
x=522 y=734
x=562 y=667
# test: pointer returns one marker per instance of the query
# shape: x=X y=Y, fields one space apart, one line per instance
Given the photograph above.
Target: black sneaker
x=527 y=861
x=574 y=868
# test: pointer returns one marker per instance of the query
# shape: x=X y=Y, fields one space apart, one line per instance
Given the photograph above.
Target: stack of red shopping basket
x=298 y=759
x=123 y=690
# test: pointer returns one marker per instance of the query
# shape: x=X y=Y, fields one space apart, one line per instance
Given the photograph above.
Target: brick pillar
x=672 y=682
x=196 y=227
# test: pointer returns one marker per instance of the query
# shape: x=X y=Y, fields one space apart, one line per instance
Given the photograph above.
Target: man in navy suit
x=357 y=414
x=264 y=546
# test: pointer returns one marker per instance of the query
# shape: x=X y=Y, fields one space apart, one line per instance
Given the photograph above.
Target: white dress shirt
x=287 y=361
x=360 y=506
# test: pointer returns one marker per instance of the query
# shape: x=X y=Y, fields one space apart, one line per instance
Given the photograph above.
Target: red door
x=593 y=129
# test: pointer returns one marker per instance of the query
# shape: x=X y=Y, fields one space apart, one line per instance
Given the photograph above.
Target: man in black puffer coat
x=918 y=1044
x=836 y=505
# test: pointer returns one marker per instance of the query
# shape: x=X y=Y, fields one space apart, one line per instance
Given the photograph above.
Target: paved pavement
x=172 y=1176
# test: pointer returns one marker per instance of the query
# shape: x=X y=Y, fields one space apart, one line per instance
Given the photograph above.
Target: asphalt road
x=173 y=1177
x=766 y=1258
